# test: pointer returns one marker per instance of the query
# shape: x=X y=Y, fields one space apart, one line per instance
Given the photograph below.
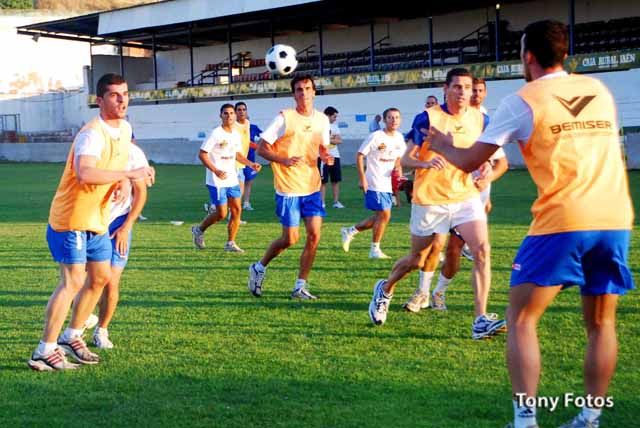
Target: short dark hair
x=461 y=72
x=238 y=104
x=330 y=111
x=479 y=81
x=226 y=106
x=389 y=110
x=106 y=80
x=548 y=41
x=301 y=78
x=433 y=96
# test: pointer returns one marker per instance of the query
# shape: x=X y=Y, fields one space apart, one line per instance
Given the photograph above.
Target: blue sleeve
x=254 y=131
x=420 y=122
x=485 y=121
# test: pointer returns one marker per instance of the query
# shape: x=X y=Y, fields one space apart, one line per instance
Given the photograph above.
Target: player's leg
x=335 y=173
x=248 y=185
x=420 y=298
x=450 y=267
x=383 y=289
x=218 y=198
x=607 y=276
x=527 y=303
x=471 y=222
x=312 y=213
x=107 y=308
x=288 y=210
x=234 y=198
x=373 y=202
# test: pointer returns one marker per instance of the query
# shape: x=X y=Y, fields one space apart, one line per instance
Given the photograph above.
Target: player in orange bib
x=292 y=143
x=77 y=233
x=567 y=129
x=445 y=197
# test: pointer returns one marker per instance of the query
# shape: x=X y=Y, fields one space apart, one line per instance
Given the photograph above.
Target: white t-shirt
x=222 y=147
x=513 y=120
x=89 y=143
x=333 y=149
x=277 y=127
x=137 y=159
x=382 y=151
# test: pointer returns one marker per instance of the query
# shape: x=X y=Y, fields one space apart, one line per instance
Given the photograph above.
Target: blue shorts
x=78 y=247
x=219 y=195
x=249 y=173
x=117 y=259
x=291 y=208
x=377 y=201
x=594 y=260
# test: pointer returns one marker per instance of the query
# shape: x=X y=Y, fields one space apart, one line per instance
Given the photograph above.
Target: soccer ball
x=281 y=59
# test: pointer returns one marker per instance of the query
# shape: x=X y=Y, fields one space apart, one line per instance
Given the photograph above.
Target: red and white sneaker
x=54 y=361
x=77 y=349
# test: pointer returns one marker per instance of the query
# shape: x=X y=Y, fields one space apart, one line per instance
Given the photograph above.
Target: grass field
x=194 y=348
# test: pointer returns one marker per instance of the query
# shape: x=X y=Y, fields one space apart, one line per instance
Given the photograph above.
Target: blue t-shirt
x=254 y=131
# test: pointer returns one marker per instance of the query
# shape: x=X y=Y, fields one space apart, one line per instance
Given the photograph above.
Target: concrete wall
x=185 y=152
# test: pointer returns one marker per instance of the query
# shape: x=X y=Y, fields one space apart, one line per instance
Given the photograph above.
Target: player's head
x=378 y=118
x=544 y=44
x=457 y=87
x=303 y=88
x=479 y=92
x=392 y=119
x=227 y=114
x=332 y=114
x=241 y=111
x=432 y=100
x=112 y=96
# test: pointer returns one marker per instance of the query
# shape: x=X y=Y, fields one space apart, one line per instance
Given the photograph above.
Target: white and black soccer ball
x=281 y=59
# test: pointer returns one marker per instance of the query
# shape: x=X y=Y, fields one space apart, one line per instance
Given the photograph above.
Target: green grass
x=193 y=348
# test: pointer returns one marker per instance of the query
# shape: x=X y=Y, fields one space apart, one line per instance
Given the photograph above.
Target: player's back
x=574 y=157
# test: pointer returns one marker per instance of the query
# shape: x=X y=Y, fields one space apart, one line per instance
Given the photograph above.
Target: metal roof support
x=372 y=42
x=430 y=24
x=272 y=31
x=121 y=58
x=191 y=53
x=155 y=61
x=90 y=82
x=230 y=53
x=320 y=51
x=572 y=23
x=497 y=29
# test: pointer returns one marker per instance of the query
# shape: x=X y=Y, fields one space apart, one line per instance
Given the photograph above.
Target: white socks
x=443 y=283
x=589 y=414
x=424 y=282
x=375 y=246
x=300 y=283
x=260 y=267
x=45 y=348
x=70 y=333
x=524 y=416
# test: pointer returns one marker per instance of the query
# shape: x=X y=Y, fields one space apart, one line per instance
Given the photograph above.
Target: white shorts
x=485 y=194
x=429 y=219
x=240 y=175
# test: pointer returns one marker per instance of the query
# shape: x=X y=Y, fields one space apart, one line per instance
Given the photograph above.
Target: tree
x=16 y=4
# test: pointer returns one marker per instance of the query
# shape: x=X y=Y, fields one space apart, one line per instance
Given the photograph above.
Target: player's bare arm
x=206 y=161
x=410 y=159
x=244 y=161
x=267 y=152
x=468 y=159
x=88 y=173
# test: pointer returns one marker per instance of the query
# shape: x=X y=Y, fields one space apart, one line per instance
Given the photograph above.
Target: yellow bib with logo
x=451 y=184
x=85 y=207
x=574 y=157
